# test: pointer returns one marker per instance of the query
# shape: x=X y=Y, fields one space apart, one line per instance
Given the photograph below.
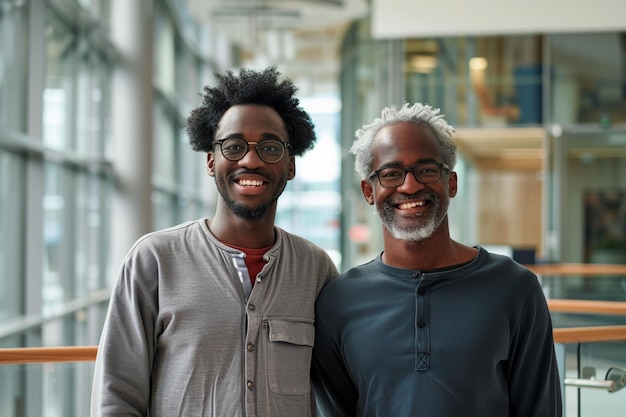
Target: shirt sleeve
x=121 y=384
x=335 y=392
x=534 y=383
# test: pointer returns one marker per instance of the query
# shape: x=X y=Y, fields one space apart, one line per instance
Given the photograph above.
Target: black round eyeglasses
x=425 y=173
x=269 y=150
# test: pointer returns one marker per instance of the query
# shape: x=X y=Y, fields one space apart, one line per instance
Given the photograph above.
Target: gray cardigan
x=181 y=340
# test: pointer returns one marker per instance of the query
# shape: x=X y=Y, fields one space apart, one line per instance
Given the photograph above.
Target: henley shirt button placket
x=250 y=348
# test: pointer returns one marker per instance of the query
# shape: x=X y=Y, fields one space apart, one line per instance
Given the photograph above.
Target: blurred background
x=94 y=95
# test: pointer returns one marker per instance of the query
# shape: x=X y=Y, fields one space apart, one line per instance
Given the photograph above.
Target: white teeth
x=405 y=206
x=250 y=183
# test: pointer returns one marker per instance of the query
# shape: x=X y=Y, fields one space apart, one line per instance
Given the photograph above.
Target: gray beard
x=416 y=232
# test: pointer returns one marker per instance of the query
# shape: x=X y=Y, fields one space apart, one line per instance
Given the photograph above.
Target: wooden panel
x=510 y=209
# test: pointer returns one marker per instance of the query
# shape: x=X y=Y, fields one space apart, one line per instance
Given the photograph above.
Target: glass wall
x=13 y=81
x=13 y=93
x=11 y=224
x=13 y=163
x=486 y=81
x=57 y=182
x=541 y=129
x=588 y=139
x=310 y=206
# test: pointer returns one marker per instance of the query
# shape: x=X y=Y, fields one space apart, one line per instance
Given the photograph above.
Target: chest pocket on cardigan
x=289 y=354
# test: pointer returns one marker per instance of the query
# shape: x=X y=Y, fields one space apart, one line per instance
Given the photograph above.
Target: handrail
x=13 y=356
x=587 y=306
x=589 y=334
x=577 y=269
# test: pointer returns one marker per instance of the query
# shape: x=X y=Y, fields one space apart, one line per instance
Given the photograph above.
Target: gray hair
x=417 y=113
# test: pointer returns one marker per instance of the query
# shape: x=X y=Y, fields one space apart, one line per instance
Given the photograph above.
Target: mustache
x=247 y=171
x=417 y=196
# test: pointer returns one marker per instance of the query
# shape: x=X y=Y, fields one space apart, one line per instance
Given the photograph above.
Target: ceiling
x=301 y=37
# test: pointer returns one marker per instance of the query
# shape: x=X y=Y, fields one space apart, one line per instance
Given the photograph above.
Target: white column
x=132 y=124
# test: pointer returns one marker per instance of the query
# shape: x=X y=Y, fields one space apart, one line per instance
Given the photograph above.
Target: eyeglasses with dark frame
x=424 y=172
x=269 y=150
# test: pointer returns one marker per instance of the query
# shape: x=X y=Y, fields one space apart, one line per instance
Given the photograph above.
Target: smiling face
x=249 y=187
x=411 y=211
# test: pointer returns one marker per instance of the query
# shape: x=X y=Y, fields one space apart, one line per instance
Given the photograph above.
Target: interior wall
x=509 y=209
x=409 y=18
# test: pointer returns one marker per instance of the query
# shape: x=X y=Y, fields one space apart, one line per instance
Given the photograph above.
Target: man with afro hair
x=215 y=317
x=251 y=87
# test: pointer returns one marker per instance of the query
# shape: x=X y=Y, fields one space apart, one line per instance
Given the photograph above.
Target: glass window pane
x=13 y=44
x=164 y=210
x=63 y=50
x=595 y=362
x=11 y=220
x=93 y=106
x=90 y=240
x=483 y=81
x=589 y=78
x=164 y=152
x=57 y=237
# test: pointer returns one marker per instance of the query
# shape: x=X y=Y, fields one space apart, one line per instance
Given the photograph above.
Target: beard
x=415 y=232
x=243 y=211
